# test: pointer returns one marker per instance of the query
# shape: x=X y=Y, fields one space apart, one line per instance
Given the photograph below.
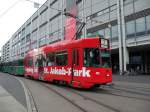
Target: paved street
x=122 y=96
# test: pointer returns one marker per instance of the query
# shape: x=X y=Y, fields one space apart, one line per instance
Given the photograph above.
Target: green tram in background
x=14 y=67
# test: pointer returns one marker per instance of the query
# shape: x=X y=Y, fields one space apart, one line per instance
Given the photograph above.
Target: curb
x=27 y=95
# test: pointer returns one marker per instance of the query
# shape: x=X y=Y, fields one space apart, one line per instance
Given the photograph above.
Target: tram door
x=40 y=65
x=75 y=62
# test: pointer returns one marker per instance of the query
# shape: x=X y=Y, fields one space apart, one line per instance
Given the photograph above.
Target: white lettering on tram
x=62 y=71
x=29 y=70
x=46 y=71
x=85 y=73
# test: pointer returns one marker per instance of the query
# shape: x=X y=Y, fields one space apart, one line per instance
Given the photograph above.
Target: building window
x=130 y=29
x=19 y=35
x=148 y=23
x=141 y=5
x=107 y=33
x=42 y=41
x=101 y=32
x=140 y=26
x=34 y=45
x=23 y=31
x=128 y=4
x=28 y=38
x=114 y=31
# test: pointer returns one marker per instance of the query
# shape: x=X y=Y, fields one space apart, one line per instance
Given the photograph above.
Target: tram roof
x=62 y=45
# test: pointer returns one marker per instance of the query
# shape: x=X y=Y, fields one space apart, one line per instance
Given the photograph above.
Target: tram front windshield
x=94 y=57
x=105 y=57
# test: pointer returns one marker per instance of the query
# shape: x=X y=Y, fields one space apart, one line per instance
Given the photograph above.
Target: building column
x=121 y=69
x=38 y=30
x=62 y=20
x=145 y=62
x=125 y=49
x=126 y=58
x=84 y=18
x=48 y=24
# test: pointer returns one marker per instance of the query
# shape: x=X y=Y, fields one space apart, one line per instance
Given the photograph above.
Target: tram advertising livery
x=82 y=63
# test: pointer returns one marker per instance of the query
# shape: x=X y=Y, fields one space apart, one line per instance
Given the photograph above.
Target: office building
x=125 y=22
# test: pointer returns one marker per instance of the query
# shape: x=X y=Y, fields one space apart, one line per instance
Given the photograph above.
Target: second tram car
x=82 y=63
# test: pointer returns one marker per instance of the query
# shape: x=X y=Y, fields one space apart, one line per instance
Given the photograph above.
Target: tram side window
x=51 y=59
x=91 y=57
x=36 y=61
x=30 y=62
x=41 y=60
x=62 y=58
x=20 y=62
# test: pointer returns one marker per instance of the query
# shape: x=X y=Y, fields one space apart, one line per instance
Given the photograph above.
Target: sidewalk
x=132 y=78
x=8 y=103
x=12 y=94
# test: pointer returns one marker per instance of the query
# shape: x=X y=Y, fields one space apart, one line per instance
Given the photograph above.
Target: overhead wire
x=9 y=8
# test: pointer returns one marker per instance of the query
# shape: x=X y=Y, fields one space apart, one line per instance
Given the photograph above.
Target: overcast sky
x=13 y=13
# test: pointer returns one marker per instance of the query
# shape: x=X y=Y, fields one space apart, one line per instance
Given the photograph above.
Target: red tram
x=82 y=63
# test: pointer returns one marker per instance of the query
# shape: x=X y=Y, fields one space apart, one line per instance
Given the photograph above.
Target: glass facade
x=148 y=23
x=101 y=32
x=135 y=24
x=114 y=31
x=107 y=33
x=140 y=26
x=130 y=29
x=141 y=5
x=128 y=4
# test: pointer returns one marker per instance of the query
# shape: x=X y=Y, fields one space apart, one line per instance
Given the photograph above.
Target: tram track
x=135 y=88
x=79 y=94
x=127 y=90
x=35 y=109
x=83 y=96
x=93 y=100
x=32 y=99
x=108 y=93
x=113 y=92
x=56 y=92
x=59 y=94
x=72 y=101
x=125 y=96
x=132 y=92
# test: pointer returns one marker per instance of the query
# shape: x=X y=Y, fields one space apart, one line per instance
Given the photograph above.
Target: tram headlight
x=107 y=75
x=97 y=73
